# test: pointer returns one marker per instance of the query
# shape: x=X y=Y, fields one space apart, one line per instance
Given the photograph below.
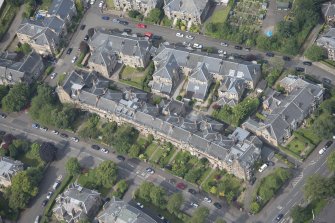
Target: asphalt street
x=133 y=170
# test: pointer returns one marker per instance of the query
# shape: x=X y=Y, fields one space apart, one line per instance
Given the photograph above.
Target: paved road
x=132 y=170
x=292 y=194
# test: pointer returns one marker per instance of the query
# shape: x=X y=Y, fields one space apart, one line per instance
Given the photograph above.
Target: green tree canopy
x=155 y=15
x=16 y=99
x=106 y=173
x=316 y=53
x=199 y=215
x=324 y=125
x=318 y=187
x=144 y=190
x=157 y=196
x=174 y=203
x=3 y=92
x=73 y=166
x=331 y=162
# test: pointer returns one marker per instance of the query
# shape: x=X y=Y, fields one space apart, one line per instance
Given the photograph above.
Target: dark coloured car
x=238 y=47
x=155 y=37
x=82 y=27
x=168 y=166
x=308 y=63
x=121 y=158
x=172 y=181
x=2 y=115
x=286 y=58
x=105 y=17
x=217 y=205
x=270 y=54
x=160 y=216
x=63 y=135
x=252 y=181
x=192 y=191
x=329 y=143
x=181 y=186
x=279 y=217
x=86 y=37
x=2 y=133
x=326 y=81
x=125 y=23
x=166 y=221
x=44 y=203
x=69 y=51
x=96 y=147
x=300 y=69
x=127 y=30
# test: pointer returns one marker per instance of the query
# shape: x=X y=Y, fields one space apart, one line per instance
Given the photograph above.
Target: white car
x=74 y=59
x=92 y=2
x=104 y=150
x=44 y=129
x=224 y=44
x=208 y=200
x=37 y=219
x=140 y=205
x=50 y=193
x=74 y=139
x=194 y=204
x=197 y=46
x=55 y=132
x=101 y=4
x=189 y=37
x=53 y=75
x=220 y=51
x=322 y=151
x=179 y=35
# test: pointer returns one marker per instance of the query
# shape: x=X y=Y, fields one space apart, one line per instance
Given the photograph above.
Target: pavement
x=132 y=170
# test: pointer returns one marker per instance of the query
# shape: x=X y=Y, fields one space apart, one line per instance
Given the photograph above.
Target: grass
x=141 y=141
x=220 y=15
x=131 y=83
x=31 y=159
x=110 y=4
x=127 y=71
x=45 y=4
x=6 y=18
x=309 y=134
x=150 y=150
x=204 y=175
x=157 y=155
x=86 y=180
x=296 y=146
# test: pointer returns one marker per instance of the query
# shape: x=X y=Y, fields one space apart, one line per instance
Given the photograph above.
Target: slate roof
x=118 y=211
x=9 y=167
x=193 y=7
x=233 y=85
x=62 y=8
x=328 y=39
x=328 y=9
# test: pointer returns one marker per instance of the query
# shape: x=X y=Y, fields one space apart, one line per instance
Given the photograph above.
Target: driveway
x=273 y=16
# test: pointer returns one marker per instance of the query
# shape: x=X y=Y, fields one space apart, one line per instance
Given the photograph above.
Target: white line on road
x=317 y=169
x=295 y=194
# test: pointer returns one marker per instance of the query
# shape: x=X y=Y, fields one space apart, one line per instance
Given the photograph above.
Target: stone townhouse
x=328 y=11
x=14 y=69
x=191 y=62
x=230 y=91
x=143 y=6
x=8 y=169
x=77 y=203
x=107 y=49
x=117 y=211
x=44 y=34
x=285 y=113
x=190 y=11
x=327 y=40
x=198 y=134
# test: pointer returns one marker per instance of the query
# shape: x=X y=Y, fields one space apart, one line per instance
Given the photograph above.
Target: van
x=262 y=168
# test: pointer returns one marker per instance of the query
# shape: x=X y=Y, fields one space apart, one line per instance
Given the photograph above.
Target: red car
x=181 y=186
x=141 y=25
x=148 y=34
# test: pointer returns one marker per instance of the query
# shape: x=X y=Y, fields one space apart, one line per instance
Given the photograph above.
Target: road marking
x=317 y=169
x=324 y=163
x=295 y=193
x=289 y=201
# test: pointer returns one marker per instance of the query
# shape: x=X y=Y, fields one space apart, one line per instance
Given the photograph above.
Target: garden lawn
x=110 y=4
x=157 y=154
x=141 y=141
x=85 y=179
x=127 y=72
x=296 y=146
x=220 y=15
x=151 y=149
x=205 y=174
x=309 y=134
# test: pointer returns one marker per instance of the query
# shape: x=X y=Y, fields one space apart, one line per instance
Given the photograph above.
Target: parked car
x=192 y=191
x=101 y=4
x=44 y=129
x=247 y=49
x=141 y=26
x=63 y=135
x=270 y=54
x=125 y=23
x=321 y=151
x=50 y=193
x=160 y=216
x=35 y=126
x=37 y=219
x=139 y=205
x=69 y=51
x=262 y=168
x=121 y=158
x=86 y=37
x=104 y=150
x=92 y=2
x=2 y=115
x=189 y=37
x=308 y=63
x=326 y=80
x=279 y=217
x=179 y=35
x=82 y=27
x=56 y=184
x=194 y=204
x=53 y=75
x=286 y=58
x=74 y=139
x=96 y=147
x=328 y=144
x=217 y=205
x=172 y=181
x=181 y=186
x=55 y=132
x=156 y=37
x=127 y=30
x=2 y=133
x=44 y=202
x=197 y=46
x=74 y=59
x=105 y=17
x=208 y=199
x=148 y=34
x=300 y=69
x=116 y=20
x=224 y=44
x=220 y=51
x=237 y=47
x=150 y=170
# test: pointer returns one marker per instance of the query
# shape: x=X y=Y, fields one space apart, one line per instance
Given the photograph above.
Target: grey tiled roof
x=328 y=9
x=328 y=39
x=62 y=8
x=194 y=7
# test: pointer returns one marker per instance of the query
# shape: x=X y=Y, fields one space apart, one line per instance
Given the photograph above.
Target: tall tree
x=324 y=125
x=144 y=191
x=157 y=196
x=199 y=215
x=318 y=187
x=174 y=203
x=73 y=166
x=16 y=99
x=316 y=53
x=106 y=173
x=3 y=92
x=48 y=152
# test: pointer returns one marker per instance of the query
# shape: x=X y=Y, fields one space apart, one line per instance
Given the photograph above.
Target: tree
x=25 y=48
x=157 y=196
x=318 y=187
x=328 y=106
x=106 y=174
x=122 y=186
x=90 y=128
x=144 y=191
x=48 y=152
x=73 y=166
x=133 y=14
x=3 y=92
x=254 y=207
x=193 y=175
x=154 y=16
x=18 y=146
x=134 y=151
x=199 y=215
x=174 y=203
x=316 y=53
x=324 y=126
x=299 y=214
x=84 y=48
x=331 y=162
x=16 y=99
